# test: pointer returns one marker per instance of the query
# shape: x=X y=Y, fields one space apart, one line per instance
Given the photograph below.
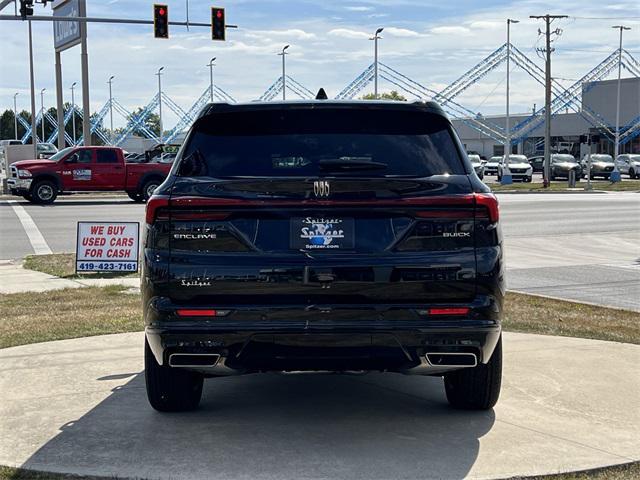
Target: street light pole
x=615 y=175
x=15 y=115
x=34 y=131
x=284 y=74
x=110 y=109
x=507 y=179
x=211 y=65
x=159 y=74
x=375 y=38
x=73 y=112
x=42 y=111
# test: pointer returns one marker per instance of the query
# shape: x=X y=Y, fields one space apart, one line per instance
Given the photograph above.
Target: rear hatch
x=320 y=206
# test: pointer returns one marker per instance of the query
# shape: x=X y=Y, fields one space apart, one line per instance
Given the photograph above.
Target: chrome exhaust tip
x=452 y=359
x=193 y=360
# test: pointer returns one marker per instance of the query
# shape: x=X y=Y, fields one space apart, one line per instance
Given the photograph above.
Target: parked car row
x=522 y=168
x=519 y=167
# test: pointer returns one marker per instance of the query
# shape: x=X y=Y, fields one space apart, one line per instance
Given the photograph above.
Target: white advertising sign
x=107 y=247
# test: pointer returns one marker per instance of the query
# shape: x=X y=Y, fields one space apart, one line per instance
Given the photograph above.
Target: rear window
x=107 y=156
x=316 y=142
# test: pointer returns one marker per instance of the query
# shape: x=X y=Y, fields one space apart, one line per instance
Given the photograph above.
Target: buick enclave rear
x=322 y=236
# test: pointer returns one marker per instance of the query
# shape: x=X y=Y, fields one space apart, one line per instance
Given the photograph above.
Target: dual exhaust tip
x=452 y=359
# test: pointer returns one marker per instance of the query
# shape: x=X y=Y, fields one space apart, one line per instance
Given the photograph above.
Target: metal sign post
x=65 y=36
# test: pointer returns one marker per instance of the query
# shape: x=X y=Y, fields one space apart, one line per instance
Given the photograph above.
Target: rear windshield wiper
x=346 y=164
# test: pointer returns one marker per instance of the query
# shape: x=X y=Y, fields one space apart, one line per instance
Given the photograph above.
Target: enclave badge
x=321 y=188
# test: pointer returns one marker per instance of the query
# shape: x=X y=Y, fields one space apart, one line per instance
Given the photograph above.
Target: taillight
x=158 y=209
x=490 y=204
x=198 y=216
x=445 y=214
x=194 y=312
x=154 y=204
x=444 y=311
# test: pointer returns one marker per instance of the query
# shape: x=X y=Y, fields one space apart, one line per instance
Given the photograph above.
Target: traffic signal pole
x=130 y=21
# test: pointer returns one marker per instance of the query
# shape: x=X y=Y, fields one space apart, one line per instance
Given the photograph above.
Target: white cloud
x=450 y=30
x=347 y=33
x=401 y=32
x=485 y=25
x=290 y=33
x=358 y=8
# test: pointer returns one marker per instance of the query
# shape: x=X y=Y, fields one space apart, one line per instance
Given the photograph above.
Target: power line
x=604 y=18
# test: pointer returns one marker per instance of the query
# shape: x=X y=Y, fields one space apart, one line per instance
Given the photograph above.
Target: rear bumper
x=324 y=345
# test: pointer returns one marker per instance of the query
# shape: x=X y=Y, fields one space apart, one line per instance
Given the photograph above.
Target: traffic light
x=26 y=8
x=160 y=21
x=217 y=23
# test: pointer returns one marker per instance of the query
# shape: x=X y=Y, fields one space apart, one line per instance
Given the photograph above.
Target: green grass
x=8 y=473
x=69 y=313
x=557 y=186
x=64 y=265
x=530 y=314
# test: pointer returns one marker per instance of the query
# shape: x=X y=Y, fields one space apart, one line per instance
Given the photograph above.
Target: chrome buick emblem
x=321 y=188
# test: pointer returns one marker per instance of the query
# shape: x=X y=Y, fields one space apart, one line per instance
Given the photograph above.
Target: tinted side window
x=85 y=156
x=107 y=156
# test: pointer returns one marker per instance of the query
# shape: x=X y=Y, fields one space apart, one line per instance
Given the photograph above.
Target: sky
x=431 y=41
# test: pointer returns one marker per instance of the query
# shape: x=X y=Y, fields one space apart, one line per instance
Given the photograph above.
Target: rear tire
x=170 y=389
x=632 y=174
x=44 y=192
x=476 y=388
x=136 y=197
x=148 y=188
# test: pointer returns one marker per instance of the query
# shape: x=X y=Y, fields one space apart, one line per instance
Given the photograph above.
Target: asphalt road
x=584 y=247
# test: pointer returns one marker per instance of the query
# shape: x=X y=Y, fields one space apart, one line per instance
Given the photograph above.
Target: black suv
x=322 y=236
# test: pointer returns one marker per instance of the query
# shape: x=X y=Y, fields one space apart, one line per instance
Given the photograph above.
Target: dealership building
x=567 y=127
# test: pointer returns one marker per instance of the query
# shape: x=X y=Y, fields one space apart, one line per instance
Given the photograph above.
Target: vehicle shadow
x=378 y=426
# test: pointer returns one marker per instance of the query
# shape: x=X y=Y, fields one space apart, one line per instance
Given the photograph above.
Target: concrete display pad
x=79 y=406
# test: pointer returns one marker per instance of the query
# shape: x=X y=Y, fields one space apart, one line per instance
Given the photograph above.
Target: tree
x=392 y=95
x=6 y=125
x=152 y=122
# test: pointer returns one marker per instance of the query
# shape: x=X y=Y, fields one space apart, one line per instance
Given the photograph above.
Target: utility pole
x=73 y=112
x=34 y=132
x=42 y=111
x=84 y=66
x=15 y=115
x=375 y=38
x=211 y=65
x=547 y=92
x=284 y=75
x=159 y=74
x=110 y=109
x=615 y=175
x=507 y=179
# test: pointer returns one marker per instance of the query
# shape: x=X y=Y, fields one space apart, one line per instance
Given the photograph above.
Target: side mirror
x=72 y=159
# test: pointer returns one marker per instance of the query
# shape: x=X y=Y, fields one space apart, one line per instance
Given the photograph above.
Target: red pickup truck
x=85 y=169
